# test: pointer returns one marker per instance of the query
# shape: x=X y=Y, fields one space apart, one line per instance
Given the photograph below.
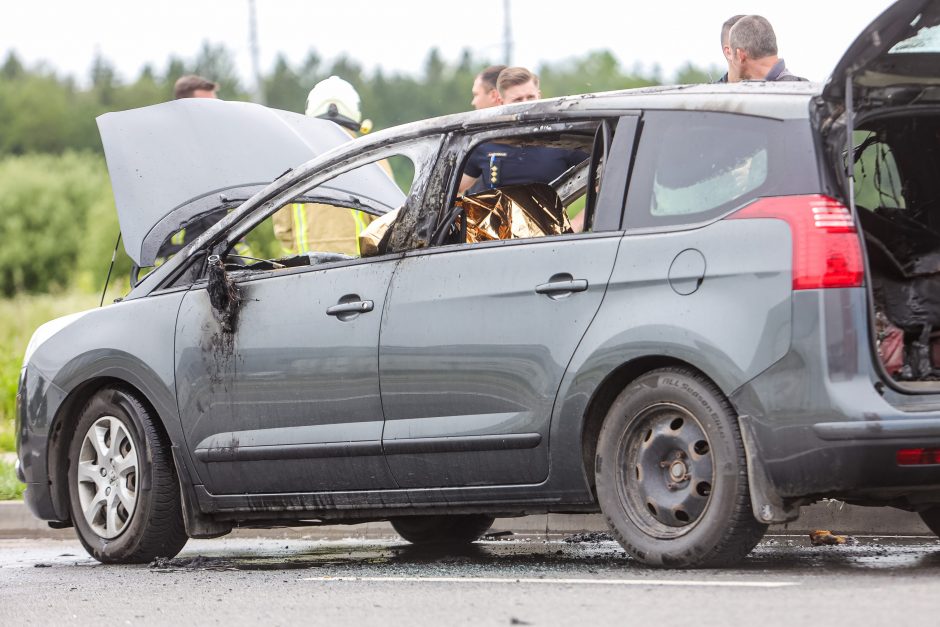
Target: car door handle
x=562 y=287
x=356 y=307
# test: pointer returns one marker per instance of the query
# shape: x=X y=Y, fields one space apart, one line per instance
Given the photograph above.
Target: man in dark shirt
x=730 y=76
x=485 y=94
x=754 y=52
x=495 y=165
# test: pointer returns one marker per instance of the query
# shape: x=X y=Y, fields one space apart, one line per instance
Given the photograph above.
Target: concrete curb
x=16 y=521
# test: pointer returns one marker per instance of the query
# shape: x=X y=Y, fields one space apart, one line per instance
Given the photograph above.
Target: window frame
x=460 y=146
x=421 y=150
x=792 y=167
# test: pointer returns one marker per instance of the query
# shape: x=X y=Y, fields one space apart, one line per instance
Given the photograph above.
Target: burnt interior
x=897 y=174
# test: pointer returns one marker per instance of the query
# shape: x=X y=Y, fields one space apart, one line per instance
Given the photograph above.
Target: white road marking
x=600 y=582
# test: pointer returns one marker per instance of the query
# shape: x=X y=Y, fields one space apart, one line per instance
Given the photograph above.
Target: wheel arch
x=63 y=429
x=608 y=390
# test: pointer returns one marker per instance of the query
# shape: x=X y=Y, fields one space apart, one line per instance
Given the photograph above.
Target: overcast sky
x=811 y=35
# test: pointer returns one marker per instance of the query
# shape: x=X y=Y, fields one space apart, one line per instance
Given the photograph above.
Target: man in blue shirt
x=493 y=165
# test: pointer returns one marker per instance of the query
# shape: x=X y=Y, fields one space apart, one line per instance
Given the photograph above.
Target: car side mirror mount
x=224 y=295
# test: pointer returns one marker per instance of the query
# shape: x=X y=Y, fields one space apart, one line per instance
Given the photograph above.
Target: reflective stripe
x=360 y=227
x=300 y=228
x=242 y=248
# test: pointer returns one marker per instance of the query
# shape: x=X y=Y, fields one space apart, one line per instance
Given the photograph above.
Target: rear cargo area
x=897 y=194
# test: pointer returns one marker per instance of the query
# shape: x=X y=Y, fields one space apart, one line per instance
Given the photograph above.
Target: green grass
x=7 y=439
x=10 y=487
x=19 y=317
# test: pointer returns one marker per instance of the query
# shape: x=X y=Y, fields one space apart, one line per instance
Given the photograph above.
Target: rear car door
x=475 y=340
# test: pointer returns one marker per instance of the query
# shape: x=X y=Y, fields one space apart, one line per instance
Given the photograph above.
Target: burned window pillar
x=223 y=294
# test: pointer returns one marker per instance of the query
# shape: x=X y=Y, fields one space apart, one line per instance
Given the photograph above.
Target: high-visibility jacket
x=193 y=230
x=315 y=227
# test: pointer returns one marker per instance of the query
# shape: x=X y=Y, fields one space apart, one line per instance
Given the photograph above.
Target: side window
x=877 y=179
x=340 y=219
x=693 y=167
x=525 y=185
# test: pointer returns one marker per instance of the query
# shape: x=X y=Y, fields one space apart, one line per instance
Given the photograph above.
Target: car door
x=290 y=402
x=474 y=342
x=283 y=396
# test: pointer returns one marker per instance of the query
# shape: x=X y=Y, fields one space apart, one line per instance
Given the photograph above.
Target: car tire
x=124 y=494
x=931 y=518
x=671 y=474
x=453 y=529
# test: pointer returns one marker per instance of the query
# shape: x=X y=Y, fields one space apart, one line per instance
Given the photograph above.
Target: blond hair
x=512 y=76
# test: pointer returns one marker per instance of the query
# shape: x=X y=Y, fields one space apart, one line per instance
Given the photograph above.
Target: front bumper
x=820 y=423
x=36 y=399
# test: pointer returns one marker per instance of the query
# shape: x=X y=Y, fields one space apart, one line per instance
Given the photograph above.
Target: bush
x=10 y=486
x=20 y=316
x=58 y=224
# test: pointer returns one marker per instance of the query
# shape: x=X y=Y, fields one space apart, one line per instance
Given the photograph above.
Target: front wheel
x=671 y=473
x=123 y=491
x=453 y=529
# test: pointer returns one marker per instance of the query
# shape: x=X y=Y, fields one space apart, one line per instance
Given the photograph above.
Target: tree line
x=42 y=111
x=57 y=217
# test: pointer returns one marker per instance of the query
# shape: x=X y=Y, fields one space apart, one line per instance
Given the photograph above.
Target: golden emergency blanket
x=514 y=211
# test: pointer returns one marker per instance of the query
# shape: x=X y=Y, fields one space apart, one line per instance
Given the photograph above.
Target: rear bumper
x=885 y=429
x=819 y=422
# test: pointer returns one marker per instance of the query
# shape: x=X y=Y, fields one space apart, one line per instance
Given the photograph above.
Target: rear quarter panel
x=735 y=325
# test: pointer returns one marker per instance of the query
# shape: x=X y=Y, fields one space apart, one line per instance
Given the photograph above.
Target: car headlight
x=47 y=330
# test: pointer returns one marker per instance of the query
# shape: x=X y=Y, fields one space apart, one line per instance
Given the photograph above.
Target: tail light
x=826 y=248
x=918 y=456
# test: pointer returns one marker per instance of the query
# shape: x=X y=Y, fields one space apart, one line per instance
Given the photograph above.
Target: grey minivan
x=723 y=312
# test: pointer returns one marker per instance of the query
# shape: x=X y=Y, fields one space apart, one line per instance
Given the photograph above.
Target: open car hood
x=901 y=47
x=172 y=162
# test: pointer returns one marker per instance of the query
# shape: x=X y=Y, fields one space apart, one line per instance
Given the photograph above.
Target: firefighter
x=308 y=227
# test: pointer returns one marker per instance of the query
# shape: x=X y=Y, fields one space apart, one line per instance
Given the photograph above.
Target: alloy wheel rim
x=666 y=471
x=107 y=477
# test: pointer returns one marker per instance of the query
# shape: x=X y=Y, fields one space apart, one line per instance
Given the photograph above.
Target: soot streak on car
x=701 y=351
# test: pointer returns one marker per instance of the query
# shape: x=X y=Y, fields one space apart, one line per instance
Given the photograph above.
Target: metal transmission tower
x=507 y=32
x=255 y=54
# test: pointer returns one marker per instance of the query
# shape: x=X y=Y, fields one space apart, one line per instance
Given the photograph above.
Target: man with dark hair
x=754 y=52
x=192 y=86
x=517 y=84
x=484 y=88
x=729 y=76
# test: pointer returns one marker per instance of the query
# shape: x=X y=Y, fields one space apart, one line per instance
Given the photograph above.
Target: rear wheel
x=123 y=491
x=671 y=474
x=931 y=518
x=455 y=529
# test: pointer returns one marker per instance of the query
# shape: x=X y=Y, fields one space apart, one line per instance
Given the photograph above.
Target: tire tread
x=743 y=530
x=164 y=533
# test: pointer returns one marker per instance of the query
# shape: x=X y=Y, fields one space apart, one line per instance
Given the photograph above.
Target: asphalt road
x=240 y=581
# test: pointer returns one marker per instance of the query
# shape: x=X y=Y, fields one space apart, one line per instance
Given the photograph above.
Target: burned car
x=685 y=330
